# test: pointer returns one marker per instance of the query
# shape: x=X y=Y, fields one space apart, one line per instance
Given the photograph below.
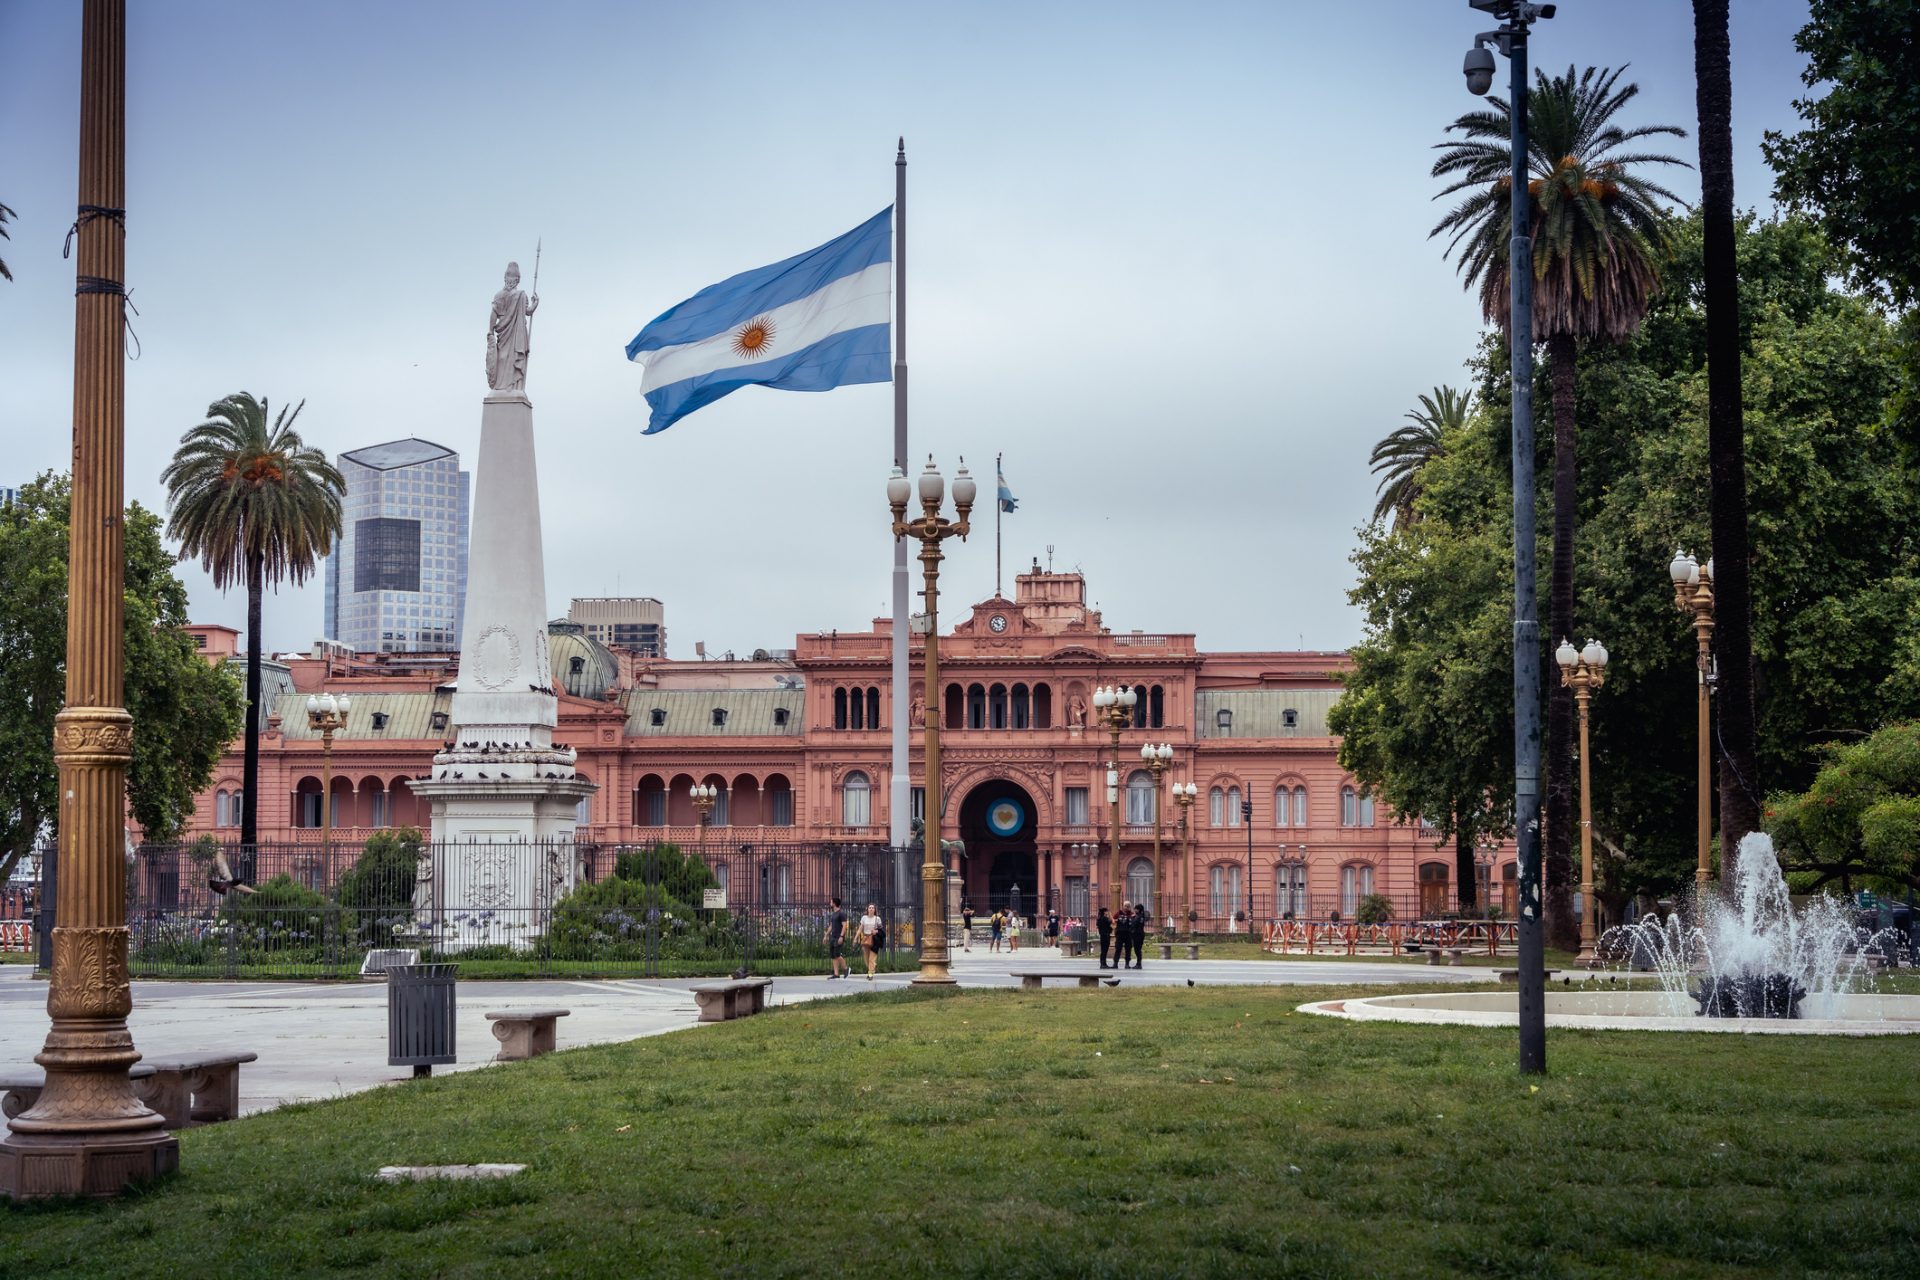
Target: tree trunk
x=250 y=776
x=1726 y=441
x=1563 y=930
x=1463 y=868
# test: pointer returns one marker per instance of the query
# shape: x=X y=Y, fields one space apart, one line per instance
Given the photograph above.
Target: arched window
x=997 y=706
x=976 y=706
x=650 y=802
x=220 y=808
x=839 y=708
x=779 y=801
x=1022 y=707
x=1510 y=890
x=1366 y=811
x=873 y=708
x=1290 y=889
x=1223 y=890
x=1356 y=882
x=1433 y=890
x=1042 y=707
x=379 y=808
x=855 y=800
x=1157 y=707
x=1349 y=807
x=1299 y=806
x=1282 y=806
x=1139 y=798
x=1233 y=806
x=1216 y=808
x=1140 y=706
x=1140 y=882
x=306 y=810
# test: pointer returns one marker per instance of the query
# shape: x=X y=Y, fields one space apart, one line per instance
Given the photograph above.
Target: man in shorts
x=837 y=939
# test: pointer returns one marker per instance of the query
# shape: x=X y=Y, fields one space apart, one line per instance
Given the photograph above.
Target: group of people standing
x=1124 y=936
x=873 y=936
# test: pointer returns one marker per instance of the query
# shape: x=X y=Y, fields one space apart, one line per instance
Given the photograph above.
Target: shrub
x=1375 y=908
x=376 y=893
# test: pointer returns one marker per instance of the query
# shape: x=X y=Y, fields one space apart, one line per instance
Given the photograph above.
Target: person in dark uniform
x=1105 y=925
x=1139 y=935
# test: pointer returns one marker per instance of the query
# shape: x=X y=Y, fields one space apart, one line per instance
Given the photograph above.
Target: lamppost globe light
x=1166 y=752
x=1595 y=654
x=1566 y=655
x=1709 y=569
x=964 y=488
x=1128 y=697
x=933 y=485
x=313 y=704
x=899 y=489
x=343 y=704
x=1680 y=568
x=1102 y=697
x=1147 y=751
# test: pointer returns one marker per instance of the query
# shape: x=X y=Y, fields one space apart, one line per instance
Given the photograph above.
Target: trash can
x=420 y=1007
x=1077 y=940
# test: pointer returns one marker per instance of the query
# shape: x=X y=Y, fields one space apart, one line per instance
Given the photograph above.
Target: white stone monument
x=504 y=796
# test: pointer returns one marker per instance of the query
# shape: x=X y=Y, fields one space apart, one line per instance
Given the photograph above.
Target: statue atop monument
x=509 y=334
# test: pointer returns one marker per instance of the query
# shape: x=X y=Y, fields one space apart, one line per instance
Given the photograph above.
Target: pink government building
x=798 y=744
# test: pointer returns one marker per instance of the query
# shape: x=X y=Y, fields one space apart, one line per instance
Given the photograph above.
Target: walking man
x=837 y=939
x=1105 y=924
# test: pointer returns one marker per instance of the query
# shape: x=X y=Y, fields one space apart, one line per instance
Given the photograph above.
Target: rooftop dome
x=582 y=666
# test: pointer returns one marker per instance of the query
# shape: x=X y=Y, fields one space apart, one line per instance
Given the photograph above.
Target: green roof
x=750 y=713
x=1262 y=713
x=408 y=715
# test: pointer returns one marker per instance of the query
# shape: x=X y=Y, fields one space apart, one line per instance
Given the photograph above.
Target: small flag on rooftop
x=812 y=322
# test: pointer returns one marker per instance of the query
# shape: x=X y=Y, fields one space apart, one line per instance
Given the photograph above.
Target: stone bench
x=1454 y=954
x=1034 y=981
x=1166 y=950
x=735 y=998
x=1512 y=976
x=187 y=1091
x=525 y=1033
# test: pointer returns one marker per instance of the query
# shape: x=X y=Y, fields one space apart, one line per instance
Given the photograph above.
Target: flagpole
x=900 y=808
x=999 y=483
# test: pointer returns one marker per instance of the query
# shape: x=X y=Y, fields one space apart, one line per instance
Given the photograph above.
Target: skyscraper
x=397 y=578
x=638 y=623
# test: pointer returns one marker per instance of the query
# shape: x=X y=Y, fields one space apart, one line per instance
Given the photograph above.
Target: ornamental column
x=88 y=1134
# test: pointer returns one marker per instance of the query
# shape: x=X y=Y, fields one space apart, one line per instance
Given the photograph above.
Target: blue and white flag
x=1007 y=501
x=811 y=323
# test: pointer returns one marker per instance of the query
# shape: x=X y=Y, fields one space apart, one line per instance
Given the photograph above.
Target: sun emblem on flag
x=754 y=338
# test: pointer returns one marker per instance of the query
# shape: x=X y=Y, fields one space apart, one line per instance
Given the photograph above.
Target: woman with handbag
x=873 y=936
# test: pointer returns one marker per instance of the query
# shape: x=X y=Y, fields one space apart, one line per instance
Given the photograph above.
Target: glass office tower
x=397 y=578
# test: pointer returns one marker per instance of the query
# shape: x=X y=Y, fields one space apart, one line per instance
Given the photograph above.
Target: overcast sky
x=1171 y=260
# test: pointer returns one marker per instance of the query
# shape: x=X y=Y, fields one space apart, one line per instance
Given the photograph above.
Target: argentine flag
x=811 y=323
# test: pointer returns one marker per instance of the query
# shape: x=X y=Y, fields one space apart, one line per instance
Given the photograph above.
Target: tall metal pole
x=900 y=787
x=934 y=959
x=1589 y=956
x=1246 y=817
x=1526 y=625
x=997 y=505
x=88 y=1134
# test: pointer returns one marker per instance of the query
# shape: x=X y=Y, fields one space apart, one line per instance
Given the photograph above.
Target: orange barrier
x=16 y=935
x=1315 y=937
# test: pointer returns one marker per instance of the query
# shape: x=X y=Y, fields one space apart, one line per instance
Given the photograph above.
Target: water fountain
x=1750 y=963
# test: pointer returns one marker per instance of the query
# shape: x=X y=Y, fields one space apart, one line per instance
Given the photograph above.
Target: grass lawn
x=1143 y=1133
x=1244 y=948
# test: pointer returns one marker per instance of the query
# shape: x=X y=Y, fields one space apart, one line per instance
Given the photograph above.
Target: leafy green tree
x=1599 y=228
x=1860 y=818
x=1408 y=449
x=254 y=505
x=185 y=712
x=1855 y=165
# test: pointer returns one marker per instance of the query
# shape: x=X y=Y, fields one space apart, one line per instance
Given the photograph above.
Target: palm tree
x=1599 y=229
x=5 y=213
x=253 y=505
x=1402 y=455
x=1726 y=437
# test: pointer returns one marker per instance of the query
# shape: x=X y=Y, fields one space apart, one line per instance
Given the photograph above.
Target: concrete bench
x=1512 y=976
x=525 y=1033
x=186 y=1091
x=1166 y=950
x=1454 y=954
x=1034 y=981
x=735 y=998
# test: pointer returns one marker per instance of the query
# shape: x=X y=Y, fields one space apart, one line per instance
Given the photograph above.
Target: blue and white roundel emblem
x=1005 y=818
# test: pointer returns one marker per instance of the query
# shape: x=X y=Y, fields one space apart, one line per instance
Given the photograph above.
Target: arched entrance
x=1002 y=869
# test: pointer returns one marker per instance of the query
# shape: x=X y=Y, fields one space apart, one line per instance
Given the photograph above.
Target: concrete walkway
x=327 y=1039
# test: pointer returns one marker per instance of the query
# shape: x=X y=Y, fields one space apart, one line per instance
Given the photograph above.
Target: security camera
x=1478 y=68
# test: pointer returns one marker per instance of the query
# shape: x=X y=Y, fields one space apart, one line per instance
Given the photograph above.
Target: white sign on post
x=713 y=898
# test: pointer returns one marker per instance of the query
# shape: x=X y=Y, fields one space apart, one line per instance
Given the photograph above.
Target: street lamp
x=1156 y=757
x=931 y=529
x=1516 y=17
x=1186 y=793
x=1693 y=596
x=1583 y=671
x=1114 y=705
x=704 y=795
x=326 y=715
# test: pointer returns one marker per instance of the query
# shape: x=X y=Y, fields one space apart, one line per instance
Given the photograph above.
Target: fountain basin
x=1820 y=1015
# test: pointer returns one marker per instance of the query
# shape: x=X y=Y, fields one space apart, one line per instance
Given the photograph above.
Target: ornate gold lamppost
x=931 y=529
x=1693 y=596
x=1113 y=706
x=704 y=796
x=1185 y=793
x=1156 y=757
x=326 y=716
x=88 y=1135
x=1583 y=671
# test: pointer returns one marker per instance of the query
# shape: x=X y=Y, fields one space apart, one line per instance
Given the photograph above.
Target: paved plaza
x=321 y=1040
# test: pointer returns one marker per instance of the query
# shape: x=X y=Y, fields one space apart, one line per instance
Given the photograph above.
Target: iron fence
x=522 y=909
